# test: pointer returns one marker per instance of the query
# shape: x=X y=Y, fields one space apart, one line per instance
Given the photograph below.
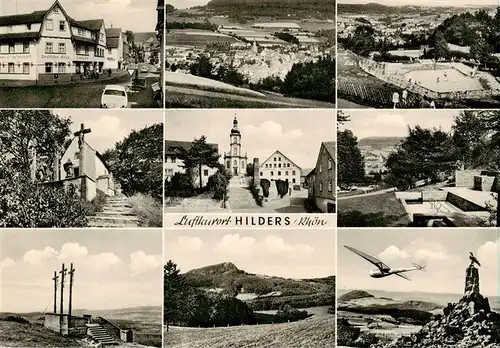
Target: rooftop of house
x=38 y=17
x=330 y=146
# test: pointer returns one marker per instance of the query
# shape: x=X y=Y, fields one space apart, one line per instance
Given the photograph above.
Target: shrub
x=265 y=184
x=282 y=186
x=287 y=312
x=97 y=204
x=256 y=193
x=218 y=184
x=147 y=209
x=25 y=205
x=180 y=185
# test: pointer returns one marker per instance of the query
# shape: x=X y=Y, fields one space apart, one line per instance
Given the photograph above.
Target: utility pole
x=55 y=279
x=71 y=273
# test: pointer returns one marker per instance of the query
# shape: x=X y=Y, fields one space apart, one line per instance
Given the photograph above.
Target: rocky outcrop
x=470 y=323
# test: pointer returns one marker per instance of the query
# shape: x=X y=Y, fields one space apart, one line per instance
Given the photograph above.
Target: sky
x=387 y=123
x=183 y=4
x=445 y=251
x=110 y=126
x=297 y=134
x=113 y=269
x=287 y=254
x=425 y=2
x=135 y=15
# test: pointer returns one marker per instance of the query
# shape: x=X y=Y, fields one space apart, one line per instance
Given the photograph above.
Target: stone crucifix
x=81 y=149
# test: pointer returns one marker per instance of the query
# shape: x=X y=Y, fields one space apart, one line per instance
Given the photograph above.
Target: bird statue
x=473 y=259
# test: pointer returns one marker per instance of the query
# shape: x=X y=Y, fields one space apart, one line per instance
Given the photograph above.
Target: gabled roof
x=171 y=145
x=113 y=32
x=112 y=42
x=281 y=153
x=331 y=147
x=28 y=18
x=91 y=24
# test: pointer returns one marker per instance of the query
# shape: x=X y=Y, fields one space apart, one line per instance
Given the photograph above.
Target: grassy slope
x=33 y=336
x=314 y=332
x=145 y=321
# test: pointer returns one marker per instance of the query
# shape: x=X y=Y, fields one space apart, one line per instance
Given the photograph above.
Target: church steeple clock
x=235 y=161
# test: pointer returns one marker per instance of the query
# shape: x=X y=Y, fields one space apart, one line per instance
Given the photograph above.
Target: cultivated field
x=194 y=37
x=315 y=332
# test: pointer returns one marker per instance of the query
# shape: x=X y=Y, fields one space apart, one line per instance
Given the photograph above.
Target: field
x=315 y=332
x=193 y=37
x=381 y=210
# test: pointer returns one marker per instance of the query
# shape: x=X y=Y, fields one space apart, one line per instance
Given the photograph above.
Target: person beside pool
x=405 y=97
x=395 y=99
x=424 y=103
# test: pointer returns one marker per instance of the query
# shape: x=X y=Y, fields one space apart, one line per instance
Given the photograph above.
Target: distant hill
x=263 y=292
x=278 y=8
x=354 y=295
x=379 y=143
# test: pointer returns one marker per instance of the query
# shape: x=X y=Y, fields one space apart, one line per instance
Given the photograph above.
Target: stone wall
x=56 y=323
x=463 y=204
x=429 y=196
x=484 y=183
x=465 y=178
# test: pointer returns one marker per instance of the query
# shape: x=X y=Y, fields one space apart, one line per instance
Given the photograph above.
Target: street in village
x=85 y=93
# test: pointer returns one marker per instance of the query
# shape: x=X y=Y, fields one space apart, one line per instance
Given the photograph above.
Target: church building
x=85 y=168
x=234 y=160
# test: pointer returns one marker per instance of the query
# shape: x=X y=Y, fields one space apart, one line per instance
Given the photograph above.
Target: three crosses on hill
x=63 y=273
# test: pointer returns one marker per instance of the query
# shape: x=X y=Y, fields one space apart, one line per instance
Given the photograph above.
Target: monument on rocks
x=468 y=323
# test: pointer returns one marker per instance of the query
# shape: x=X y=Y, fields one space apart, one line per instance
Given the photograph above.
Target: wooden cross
x=63 y=275
x=71 y=273
x=81 y=135
x=55 y=279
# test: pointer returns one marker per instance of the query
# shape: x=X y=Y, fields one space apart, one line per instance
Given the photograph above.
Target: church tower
x=235 y=160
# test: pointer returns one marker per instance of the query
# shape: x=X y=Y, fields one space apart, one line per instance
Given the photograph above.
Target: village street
x=86 y=94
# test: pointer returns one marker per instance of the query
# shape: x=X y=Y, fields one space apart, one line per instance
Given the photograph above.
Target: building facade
x=280 y=167
x=115 y=49
x=45 y=47
x=235 y=161
x=173 y=164
x=93 y=170
x=322 y=180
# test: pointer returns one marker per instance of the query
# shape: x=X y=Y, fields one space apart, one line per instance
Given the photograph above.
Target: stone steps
x=101 y=335
x=117 y=212
x=241 y=198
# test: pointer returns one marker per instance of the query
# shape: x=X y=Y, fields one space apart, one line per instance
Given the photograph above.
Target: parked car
x=114 y=96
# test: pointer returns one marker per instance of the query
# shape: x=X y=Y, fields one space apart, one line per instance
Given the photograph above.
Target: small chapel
x=235 y=161
x=84 y=167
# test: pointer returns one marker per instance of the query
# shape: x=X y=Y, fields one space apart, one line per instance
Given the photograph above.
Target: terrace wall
x=484 y=183
x=463 y=204
x=429 y=196
x=465 y=178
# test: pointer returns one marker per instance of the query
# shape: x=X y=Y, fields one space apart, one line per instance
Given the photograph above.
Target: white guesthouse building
x=280 y=167
x=46 y=47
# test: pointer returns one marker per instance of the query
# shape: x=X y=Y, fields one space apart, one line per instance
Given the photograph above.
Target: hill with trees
x=212 y=295
x=275 y=8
